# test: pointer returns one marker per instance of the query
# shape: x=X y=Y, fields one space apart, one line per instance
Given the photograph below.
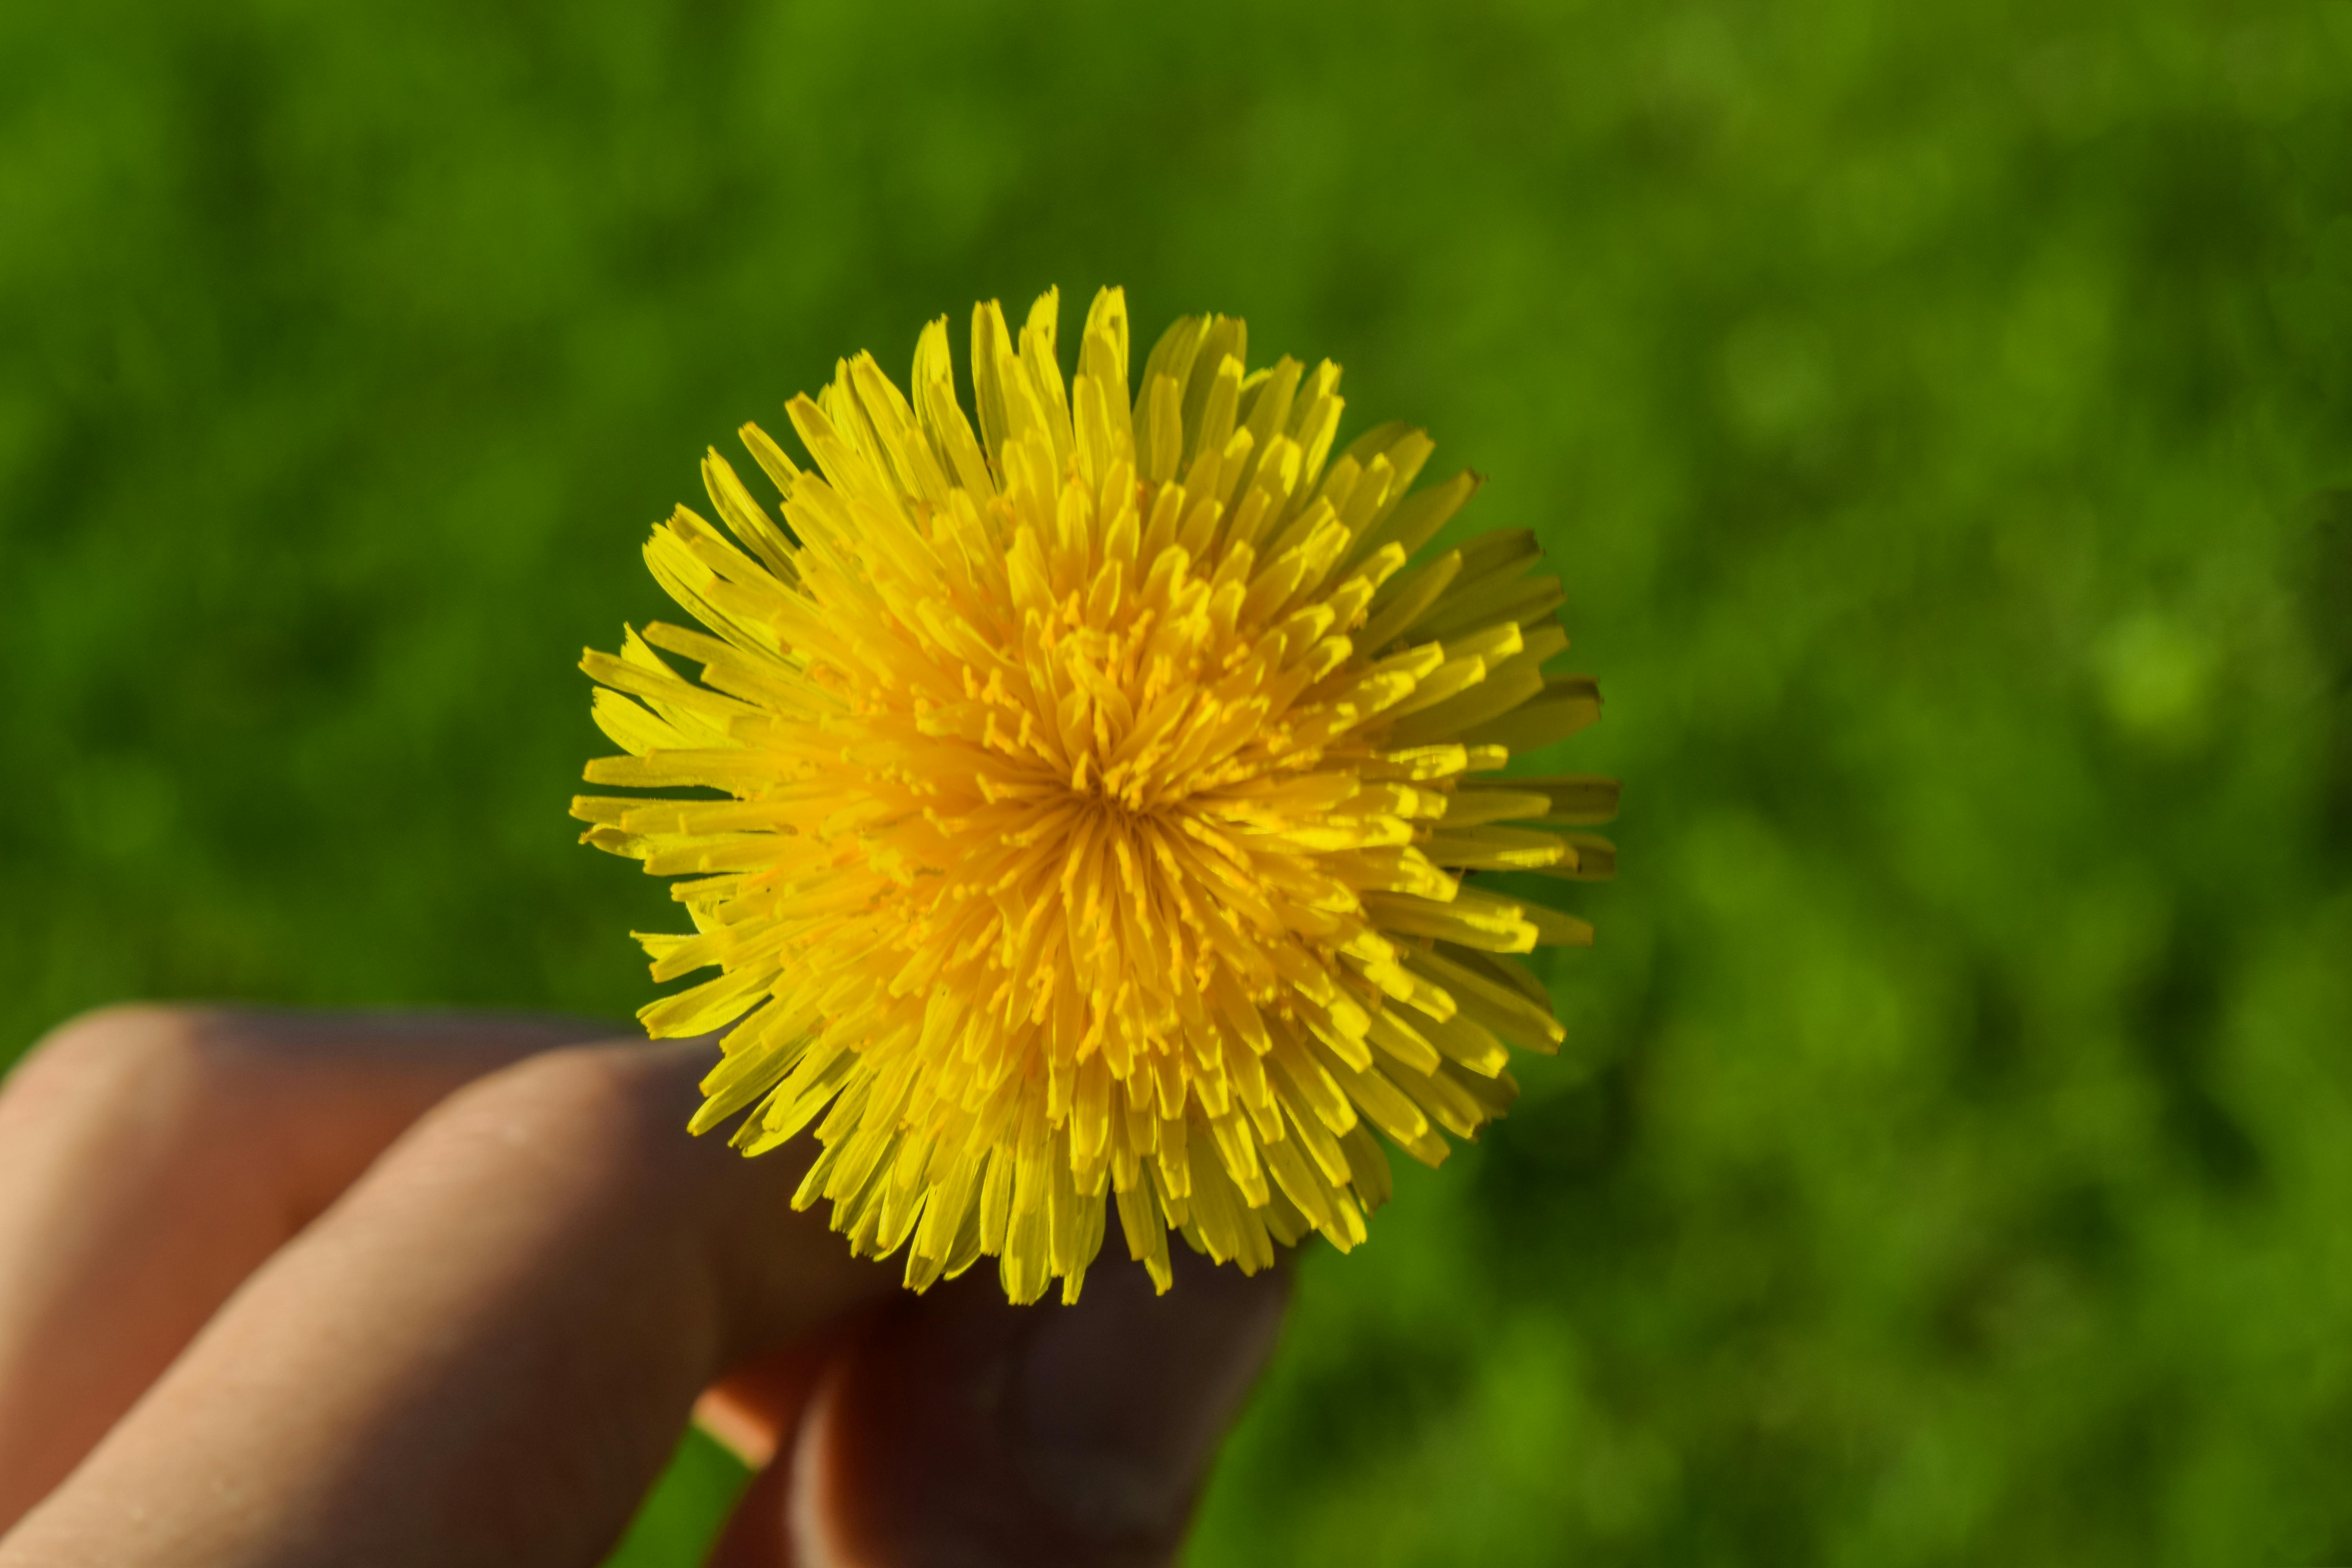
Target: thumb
x=958 y=1430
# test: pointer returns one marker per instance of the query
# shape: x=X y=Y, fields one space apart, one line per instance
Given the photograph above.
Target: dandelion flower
x=1091 y=802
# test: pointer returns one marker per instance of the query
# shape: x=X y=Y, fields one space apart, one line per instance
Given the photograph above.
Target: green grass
x=1931 y=406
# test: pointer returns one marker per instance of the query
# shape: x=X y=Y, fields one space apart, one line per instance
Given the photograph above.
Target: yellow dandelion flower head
x=1094 y=797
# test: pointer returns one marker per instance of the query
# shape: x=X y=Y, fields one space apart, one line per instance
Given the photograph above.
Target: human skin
x=281 y=1289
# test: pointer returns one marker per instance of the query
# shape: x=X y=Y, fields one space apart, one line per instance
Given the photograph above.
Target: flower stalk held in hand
x=1096 y=795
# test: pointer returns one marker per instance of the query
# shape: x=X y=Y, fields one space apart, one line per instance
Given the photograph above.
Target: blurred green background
x=1934 y=408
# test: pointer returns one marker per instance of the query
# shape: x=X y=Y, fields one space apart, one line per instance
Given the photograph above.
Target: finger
x=754 y=1408
x=482 y=1354
x=151 y=1157
x=959 y=1429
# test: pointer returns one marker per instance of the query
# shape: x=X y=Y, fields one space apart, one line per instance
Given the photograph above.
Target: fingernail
x=1120 y=1401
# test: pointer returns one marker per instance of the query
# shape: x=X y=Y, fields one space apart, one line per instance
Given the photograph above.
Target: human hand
x=282 y=1288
